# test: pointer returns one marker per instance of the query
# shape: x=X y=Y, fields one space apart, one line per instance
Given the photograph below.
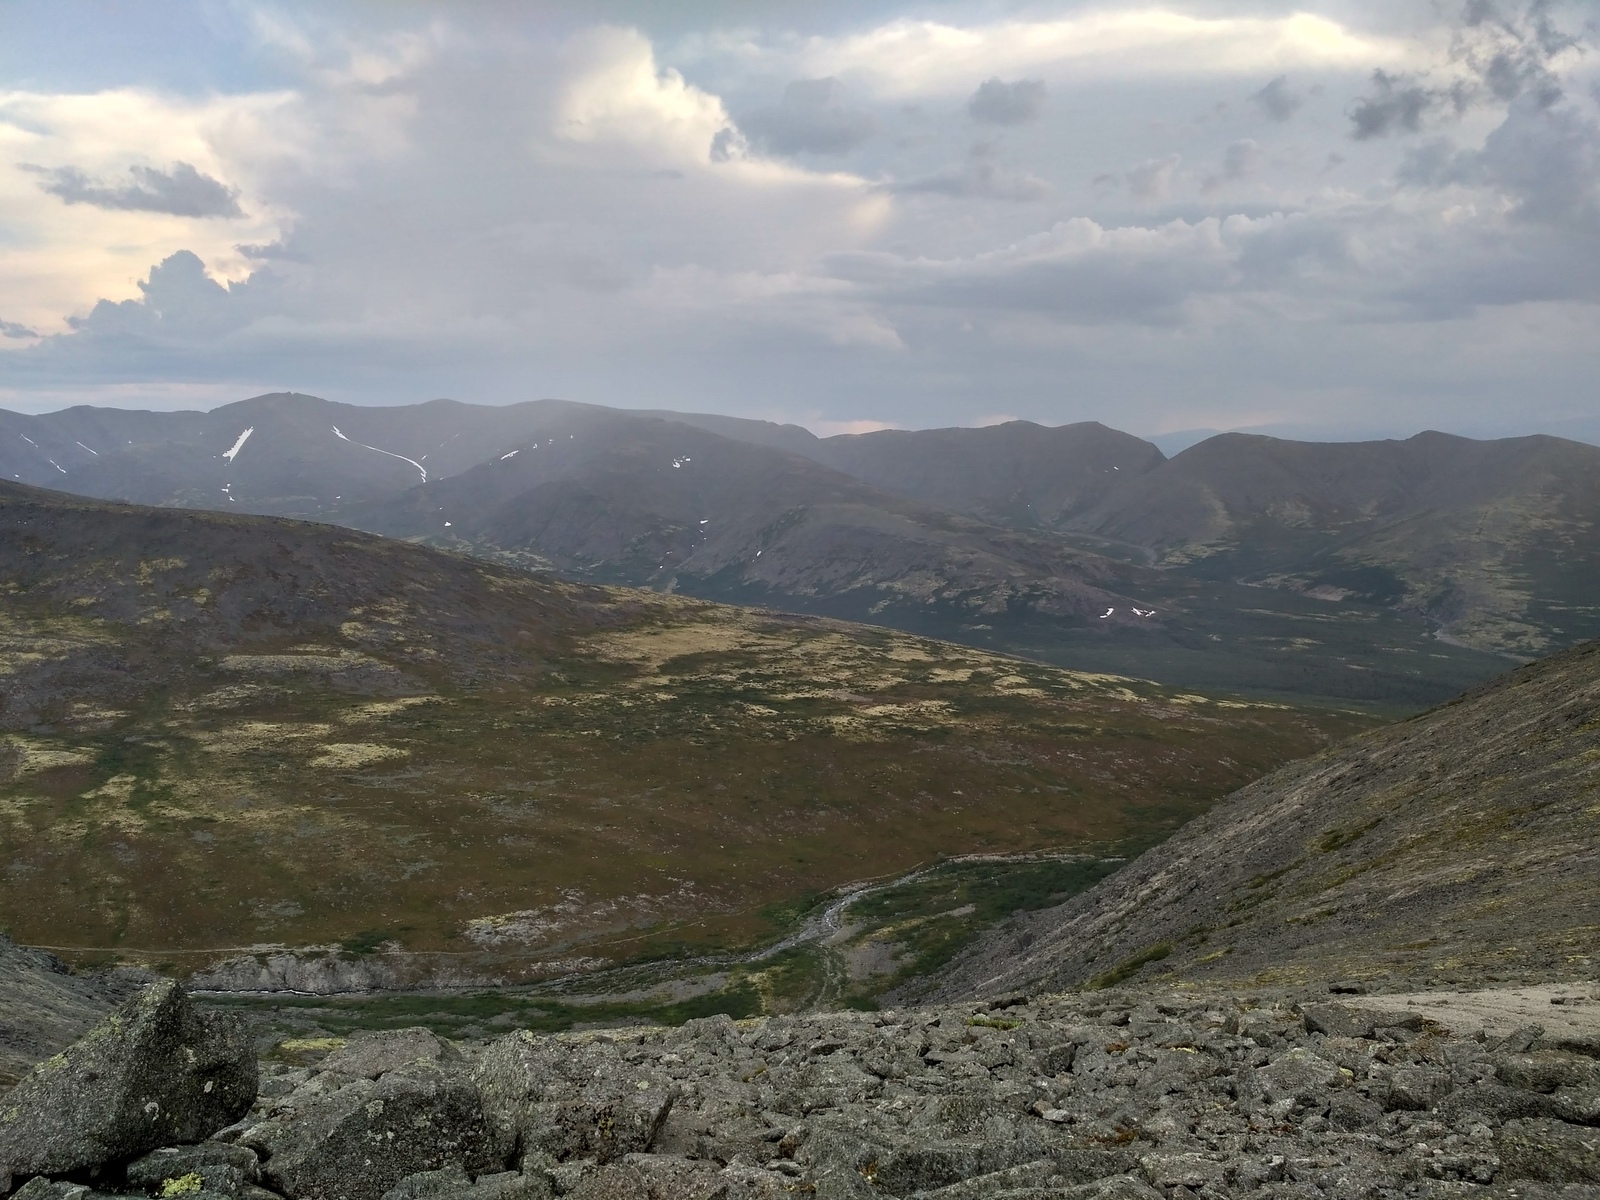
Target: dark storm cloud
x=1507 y=58
x=812 y=117
x=1398 y=104
x=180 y=192
x=999 y=103
x=1278 y=100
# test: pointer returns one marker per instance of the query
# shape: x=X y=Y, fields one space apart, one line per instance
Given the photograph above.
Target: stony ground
x=1106 y=1094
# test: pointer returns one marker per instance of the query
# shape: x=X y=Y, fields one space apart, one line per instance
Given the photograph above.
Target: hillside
x=673 y=507
x=1016 y=473
x=1463 y=844
x=224 y=732
x=1260 y=567
x=1496 y=542
x=286 y=454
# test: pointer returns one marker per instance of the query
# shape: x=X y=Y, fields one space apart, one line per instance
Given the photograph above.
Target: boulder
x=453 y=1183
x=211 y=1166
x=1550 y=1151
x=155 y=1072
x=358 y=1141
x=40 y=1188
x=1339 y=1020
x=1547 y=1070
x=367 y=1055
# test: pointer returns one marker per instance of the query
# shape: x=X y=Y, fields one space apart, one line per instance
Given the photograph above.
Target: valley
x=227 y=735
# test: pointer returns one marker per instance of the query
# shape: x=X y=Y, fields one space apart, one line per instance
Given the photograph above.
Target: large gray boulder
x=358 y=1140
x=154 y=1073
x=1551 y=1151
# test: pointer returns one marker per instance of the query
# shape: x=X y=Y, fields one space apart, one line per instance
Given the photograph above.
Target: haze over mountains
x=1243 y=562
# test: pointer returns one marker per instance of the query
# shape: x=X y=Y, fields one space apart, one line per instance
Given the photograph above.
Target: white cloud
x=615 y=92
x=63 y=256
x=492 y=210
x=919 y=57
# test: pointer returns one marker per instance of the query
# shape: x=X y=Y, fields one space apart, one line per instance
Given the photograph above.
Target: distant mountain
x=1017 y=473
x=286 y=454
x=1462 y=844
x=221 y=731
x=1016 y=536
x=657 y=503
x=1497 y=542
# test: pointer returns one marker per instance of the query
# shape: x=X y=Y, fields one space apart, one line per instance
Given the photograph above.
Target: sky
x=1338 y=218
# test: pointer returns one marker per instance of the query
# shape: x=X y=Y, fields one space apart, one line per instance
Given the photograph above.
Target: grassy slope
x=224 y=732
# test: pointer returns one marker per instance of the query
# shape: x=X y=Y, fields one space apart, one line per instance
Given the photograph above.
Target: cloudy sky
x=1336 y=218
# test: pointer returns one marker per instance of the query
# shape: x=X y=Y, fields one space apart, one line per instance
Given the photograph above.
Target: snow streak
x=390 y=453
x=233 y=451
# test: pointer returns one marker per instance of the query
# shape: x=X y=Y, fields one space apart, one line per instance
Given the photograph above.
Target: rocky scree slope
x=1463 y=843
x=44 y=1006
x=1111 y=1095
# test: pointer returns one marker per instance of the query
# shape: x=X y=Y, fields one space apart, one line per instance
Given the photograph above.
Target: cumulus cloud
x=999 y=103
x=812 y=117
x=498 y=213
x=179 y=192
x=177 y=300
x=1278 y=100
x=1152 y=179
x=1497 y=56
x=1398 y=104
x=11 y=329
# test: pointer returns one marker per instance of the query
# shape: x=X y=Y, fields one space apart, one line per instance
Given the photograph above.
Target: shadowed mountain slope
x=670 y=506
x=1016 y=473
x=224 y=732
x=1461 y=844
x=1289 y=569
x=1498 y=542
x=291 y=455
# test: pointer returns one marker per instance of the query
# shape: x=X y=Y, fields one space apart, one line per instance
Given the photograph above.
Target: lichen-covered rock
x=1099 y=1096
x=1339 y=1020
x=453 y=1183
x=1550 y=1151
x=357 y=1141
x=40 y=1188
x=154 y=1073
x=215 y=1167
x=367 y=1055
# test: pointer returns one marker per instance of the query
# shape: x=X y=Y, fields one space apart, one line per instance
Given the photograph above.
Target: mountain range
x=1385 y=573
